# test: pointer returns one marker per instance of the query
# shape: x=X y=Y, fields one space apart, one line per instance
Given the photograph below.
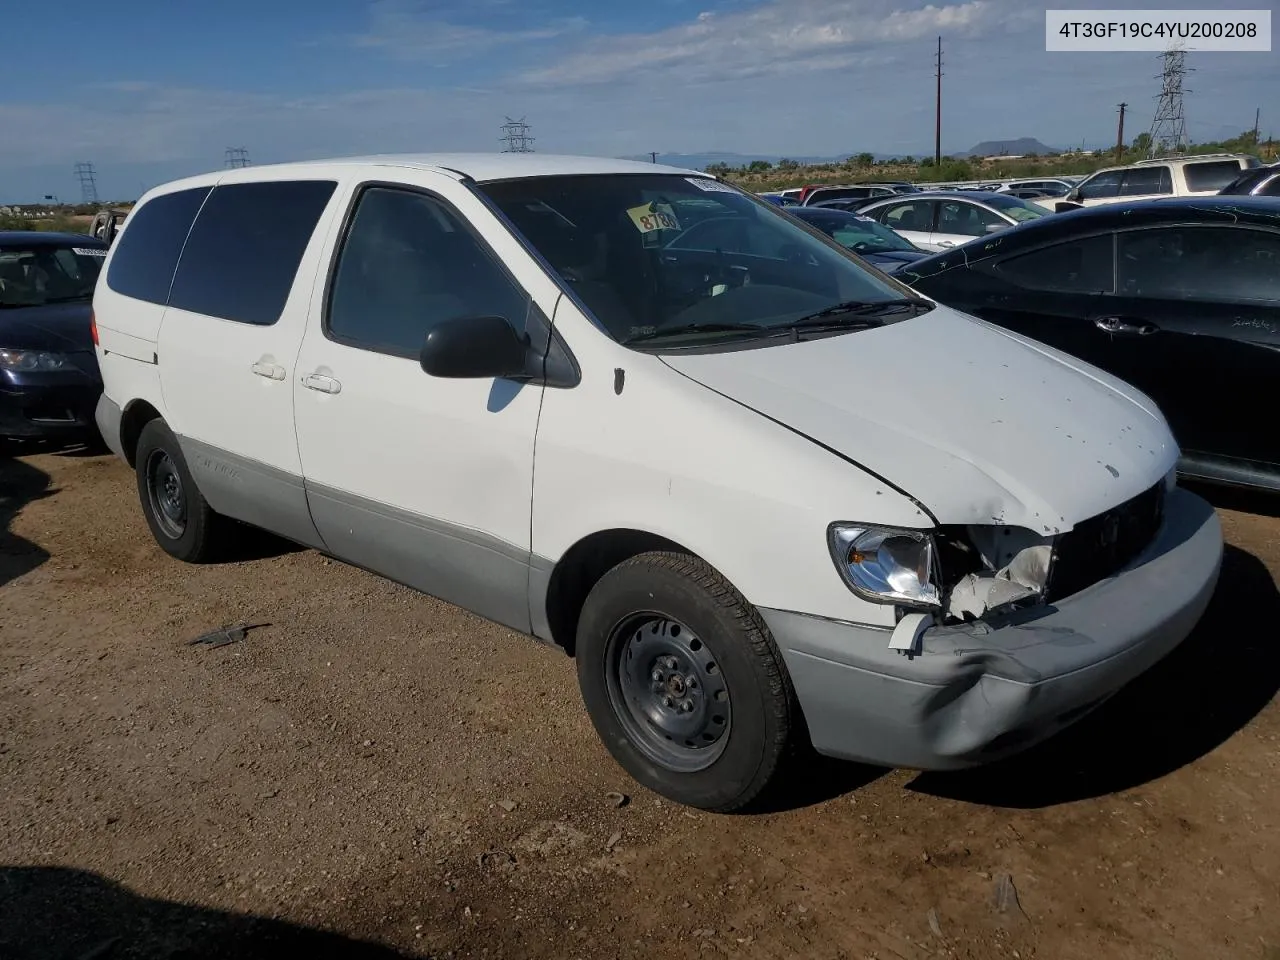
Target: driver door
x=424 y=480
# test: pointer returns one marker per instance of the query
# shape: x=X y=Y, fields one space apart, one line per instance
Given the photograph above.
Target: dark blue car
x=869 y=239
x=49 y=378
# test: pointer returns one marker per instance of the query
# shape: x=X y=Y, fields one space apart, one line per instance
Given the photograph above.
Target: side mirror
x=475 y=347
x=1073 y=195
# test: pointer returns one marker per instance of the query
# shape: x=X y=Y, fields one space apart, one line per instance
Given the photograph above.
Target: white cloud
x=406 y=29
x=777 y=37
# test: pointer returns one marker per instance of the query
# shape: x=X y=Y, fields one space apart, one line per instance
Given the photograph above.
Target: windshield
x=648 y=253
x=38 y=273
x=857 y=233
x=1014 y=207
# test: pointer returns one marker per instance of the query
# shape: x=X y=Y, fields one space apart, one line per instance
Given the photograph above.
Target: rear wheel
x=683 y=681
x=180 y=518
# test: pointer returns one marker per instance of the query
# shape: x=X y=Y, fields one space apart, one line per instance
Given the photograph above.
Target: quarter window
x=148 y=249
x=1199 y=263
x=408 y=263
x=1203 y=177
x=243 y=253
x=1077 y=266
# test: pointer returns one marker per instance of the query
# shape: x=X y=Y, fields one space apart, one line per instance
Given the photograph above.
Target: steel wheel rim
x=667 y=690
x=168 y=499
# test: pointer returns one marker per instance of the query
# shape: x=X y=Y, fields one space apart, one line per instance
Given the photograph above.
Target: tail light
x=93 y=327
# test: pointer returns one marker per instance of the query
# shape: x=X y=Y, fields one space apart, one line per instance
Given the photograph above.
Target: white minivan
x=763 y=493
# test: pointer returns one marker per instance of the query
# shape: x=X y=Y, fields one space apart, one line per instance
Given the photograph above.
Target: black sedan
x=49 y=379
x=1178 y=297
x=872 y=241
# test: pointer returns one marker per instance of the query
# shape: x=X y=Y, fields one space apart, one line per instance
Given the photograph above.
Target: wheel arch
x=137 y=414
x=580 y=568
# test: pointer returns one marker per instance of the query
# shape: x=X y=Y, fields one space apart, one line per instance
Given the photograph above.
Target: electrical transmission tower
x=88 y=182
x=1169 y=127
x=515 y=134
x=237 y=157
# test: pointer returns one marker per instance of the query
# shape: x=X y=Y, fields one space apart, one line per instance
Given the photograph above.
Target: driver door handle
x=321 y=383
x=1125 y=326
x=946 y=243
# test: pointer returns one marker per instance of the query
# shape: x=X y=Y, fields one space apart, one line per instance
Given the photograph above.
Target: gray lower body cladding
x=980 y=691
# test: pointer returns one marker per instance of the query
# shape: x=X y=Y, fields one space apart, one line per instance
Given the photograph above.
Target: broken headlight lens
x=887 y=565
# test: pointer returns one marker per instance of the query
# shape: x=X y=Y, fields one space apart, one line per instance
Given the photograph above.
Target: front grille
x=1100 y=546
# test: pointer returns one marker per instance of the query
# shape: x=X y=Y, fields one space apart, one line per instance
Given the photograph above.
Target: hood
x=978 y=425
x=891 y=260
x=57 y=327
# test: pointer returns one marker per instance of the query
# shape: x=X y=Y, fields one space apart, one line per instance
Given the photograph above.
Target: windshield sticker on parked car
x=650 y=217
x=88 y=252
x=711 y=186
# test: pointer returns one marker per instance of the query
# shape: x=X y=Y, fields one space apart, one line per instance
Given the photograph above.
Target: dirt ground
x=377 y=774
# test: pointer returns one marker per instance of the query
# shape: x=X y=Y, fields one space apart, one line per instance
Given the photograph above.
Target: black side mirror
x=475 y=347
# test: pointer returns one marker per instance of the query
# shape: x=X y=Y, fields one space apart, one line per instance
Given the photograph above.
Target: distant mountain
x=700 y=161
x=1003 y=148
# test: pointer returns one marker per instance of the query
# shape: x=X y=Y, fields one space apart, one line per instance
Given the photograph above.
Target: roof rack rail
x=1190 y=156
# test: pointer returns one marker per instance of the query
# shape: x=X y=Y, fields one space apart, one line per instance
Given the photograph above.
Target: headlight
x=886 y=565
x=33 y=361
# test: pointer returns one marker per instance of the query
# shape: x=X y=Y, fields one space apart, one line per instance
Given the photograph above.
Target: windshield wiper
x=860 y=311
x=701 y=328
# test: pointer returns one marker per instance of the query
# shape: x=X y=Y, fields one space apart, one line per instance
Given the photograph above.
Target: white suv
x=1195 y=176
x=759 y=490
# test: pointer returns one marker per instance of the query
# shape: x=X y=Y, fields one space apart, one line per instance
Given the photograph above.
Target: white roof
x=480 y=167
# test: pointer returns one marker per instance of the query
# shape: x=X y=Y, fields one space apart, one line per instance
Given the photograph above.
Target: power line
x=1169 y=126
x=515 y=134
x=88 y=182
x=236 y=157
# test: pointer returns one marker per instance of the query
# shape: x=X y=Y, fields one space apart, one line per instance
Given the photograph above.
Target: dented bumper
x=980 y=691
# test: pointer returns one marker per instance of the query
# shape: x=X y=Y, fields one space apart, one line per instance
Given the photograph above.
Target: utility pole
x=515 y=134
x=236 y=157
x=1169 y=126
x=937 y=124
x=653 y=156
x=1257 y=115
x=88 y=182
x=1120 y=135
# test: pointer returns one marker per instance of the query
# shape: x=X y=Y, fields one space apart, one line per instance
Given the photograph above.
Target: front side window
x=659 y=255
x=1077 y=266
x=1146 y=181
x=34 y=274
x=1210 y=176
x=1199 y=263
x=410 y=262
x=1101 y=185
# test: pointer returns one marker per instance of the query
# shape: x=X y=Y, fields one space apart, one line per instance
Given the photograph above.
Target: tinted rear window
x=1210 y=176
x=149 y=247
x=244 y=250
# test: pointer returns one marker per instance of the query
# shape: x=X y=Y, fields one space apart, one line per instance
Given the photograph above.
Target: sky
x=151 y=90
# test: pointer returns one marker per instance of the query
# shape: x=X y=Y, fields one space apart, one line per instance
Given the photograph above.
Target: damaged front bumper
x=982 y=690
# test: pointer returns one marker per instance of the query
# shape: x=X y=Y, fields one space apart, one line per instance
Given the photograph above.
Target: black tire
x=192 y=533
x=674 y=615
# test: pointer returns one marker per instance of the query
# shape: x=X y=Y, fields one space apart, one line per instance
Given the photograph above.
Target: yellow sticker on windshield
x=649 y=217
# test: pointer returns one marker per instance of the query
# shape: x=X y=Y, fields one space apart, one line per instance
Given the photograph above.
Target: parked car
x=364 y=355
x=49 y=380
x=857 y=191
x=943 y=219
x=1179 y=297
x=873 y=241
x=778 y=200
x=1256 y=182
x=1194 y=176
x=1048 y=186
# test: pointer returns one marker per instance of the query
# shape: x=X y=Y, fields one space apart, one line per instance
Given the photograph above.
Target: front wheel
x=683 y=681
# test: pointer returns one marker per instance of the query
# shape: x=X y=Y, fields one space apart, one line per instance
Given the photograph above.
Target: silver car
x=939 y=220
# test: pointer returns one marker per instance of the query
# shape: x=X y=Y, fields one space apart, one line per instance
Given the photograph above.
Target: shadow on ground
x=20 y=484
x=54 y=913
x=1213 y=684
